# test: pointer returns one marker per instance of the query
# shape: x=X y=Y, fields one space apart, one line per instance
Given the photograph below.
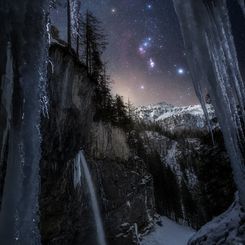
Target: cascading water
x=213 y=64
x=80 y=164
x=23 y=60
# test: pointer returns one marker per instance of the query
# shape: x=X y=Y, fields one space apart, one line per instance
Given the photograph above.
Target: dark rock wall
x=64 y=132
x=124 y=187
x=128 y=201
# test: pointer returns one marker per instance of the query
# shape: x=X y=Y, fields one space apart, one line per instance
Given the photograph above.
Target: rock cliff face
x=64 y=132
x=124 y=186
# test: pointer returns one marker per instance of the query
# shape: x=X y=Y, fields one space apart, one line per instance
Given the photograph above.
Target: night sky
x=145 y=55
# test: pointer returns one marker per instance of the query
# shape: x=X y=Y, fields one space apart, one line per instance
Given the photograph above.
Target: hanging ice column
x=213 y=63
x=23 y=61
x=242 y=4
x=81 y=169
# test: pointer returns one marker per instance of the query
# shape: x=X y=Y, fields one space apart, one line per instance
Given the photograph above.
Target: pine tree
x=130 y=109
x=166 y=187
x=189 y=205
x=104 y=102
x=121 y=112
x=94 y=44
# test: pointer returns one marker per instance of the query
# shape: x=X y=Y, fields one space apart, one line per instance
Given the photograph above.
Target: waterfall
x=80 y=164
x=212 y=59
x=24 y=44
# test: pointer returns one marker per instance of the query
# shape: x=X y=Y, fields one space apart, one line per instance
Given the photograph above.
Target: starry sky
x=145 y=56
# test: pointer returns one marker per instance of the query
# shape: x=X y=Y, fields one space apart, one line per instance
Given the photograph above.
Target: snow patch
x=167 y=232
x=228 y=228
x=173 y=116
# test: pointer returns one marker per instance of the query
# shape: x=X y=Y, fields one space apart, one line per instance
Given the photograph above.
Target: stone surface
x=124 y=187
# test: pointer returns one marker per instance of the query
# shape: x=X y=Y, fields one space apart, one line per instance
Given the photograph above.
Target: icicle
x=213 y=64
x=242 y=4
x=136 y=233
x=43 y=72
x=19 y=212
x=75 y=9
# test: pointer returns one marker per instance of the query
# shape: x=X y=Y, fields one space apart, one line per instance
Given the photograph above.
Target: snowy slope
x=168 y=233
x=173 y=117
x=226 y=229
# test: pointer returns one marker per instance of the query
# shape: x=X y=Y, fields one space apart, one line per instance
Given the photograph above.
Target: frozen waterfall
x=212 y=59
x=23 y=49
x=80 y=164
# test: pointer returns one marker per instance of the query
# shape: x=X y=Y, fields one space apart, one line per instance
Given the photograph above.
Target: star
x=152 y=63
x=180 y=71
x=142 y=50
x=113 y=10
x=149 y=6
x=142 y=87
x=145 y=45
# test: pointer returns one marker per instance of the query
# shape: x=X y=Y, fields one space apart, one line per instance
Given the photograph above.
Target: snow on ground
x=168 y=233
x=228 y=228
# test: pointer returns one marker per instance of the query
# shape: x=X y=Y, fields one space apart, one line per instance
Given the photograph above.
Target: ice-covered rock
x=228 y=228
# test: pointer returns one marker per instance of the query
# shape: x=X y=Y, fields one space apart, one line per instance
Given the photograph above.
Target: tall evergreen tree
x=189 y=205
x=105 y=110
x=121 y=112
x=94 y=44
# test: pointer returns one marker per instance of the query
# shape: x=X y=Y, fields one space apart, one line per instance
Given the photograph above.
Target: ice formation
x=213 y=64
x=22 y=75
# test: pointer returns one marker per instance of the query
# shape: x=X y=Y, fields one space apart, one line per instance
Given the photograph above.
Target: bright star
x=145 y=45
x=180 y=71
x=113 y=10
x=142 y=87
x=142 y=50
x=149 y=6
x=151 y=63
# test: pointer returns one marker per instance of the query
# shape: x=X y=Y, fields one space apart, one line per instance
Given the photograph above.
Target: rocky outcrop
x=124 y=186
x=109 y=142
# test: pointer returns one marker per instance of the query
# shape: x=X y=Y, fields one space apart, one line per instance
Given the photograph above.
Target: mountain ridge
x=176 y=117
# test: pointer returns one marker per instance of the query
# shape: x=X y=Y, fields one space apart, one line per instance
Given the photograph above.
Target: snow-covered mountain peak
x=174 y=117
